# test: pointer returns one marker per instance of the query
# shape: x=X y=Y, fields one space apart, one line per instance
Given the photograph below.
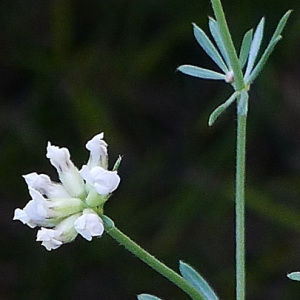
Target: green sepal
x=196 y=280
x=147 y=297
x=219 y=110
x=200 y=72
x=94 y=199
x=294 y=276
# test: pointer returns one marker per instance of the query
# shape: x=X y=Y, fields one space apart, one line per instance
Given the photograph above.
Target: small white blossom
x=50 y=238
x=45 y=186
x=63 y=233
x=68 y=173
x=63 y=210
x=36 y=211
x=104 y=181
x=41 y=211
x=89 y=224
x=98 y=151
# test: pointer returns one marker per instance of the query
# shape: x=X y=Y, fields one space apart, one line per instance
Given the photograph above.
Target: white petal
x=85 y=173
x=68 y=173
x=45 y=186
x=22 y=216
x=98 y=151
x=50 y=238
x=89 y=225
x=35 y=213
x=104 y=181
x=59 y=157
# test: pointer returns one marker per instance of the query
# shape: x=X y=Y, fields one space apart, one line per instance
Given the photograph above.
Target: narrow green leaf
x=245 y=47
x=209 y=48
x=261 y=63
x=274 y=40
x=195 y=279
x=215 y=32
x=200 y=72
x=147 y=297
x=281 y=25
x=242 y=108
x=255 y=46
x=219 y=110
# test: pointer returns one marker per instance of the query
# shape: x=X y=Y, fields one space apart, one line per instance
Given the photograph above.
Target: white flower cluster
x=64 y=210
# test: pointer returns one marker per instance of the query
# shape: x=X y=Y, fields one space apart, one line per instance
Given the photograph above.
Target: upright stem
x=150 y=260
x=240 y=207
x=239 y=85
x=228 y=43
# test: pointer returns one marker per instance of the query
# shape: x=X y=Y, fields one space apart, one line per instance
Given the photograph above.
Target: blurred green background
x=71 y=69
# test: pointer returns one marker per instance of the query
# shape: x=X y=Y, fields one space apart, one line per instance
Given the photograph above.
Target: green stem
x=240 y=207
x=239 y=85
x=228 y=43
x=150 y=260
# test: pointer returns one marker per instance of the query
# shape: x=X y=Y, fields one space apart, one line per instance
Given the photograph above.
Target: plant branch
x=150 y=260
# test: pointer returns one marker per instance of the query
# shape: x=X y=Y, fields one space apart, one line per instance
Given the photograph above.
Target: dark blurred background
x=71 y=69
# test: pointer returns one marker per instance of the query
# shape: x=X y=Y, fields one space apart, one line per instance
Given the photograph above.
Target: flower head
x=64 y=209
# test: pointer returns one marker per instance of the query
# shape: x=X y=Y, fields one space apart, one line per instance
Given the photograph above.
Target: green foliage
x=197 y=281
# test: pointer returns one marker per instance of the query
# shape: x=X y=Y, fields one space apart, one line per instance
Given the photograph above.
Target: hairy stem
x=240 y=207
x=150 y=260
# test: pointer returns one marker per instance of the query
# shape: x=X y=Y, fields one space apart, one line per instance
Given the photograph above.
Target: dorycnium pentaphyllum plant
x=75 y=206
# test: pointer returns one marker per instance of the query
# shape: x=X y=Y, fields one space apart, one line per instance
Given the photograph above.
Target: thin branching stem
x=150 y=260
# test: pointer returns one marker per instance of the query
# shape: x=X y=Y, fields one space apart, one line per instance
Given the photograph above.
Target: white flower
x=68 y=173
x=104 y=181
x=41 y=211
x=45 y=186
x=50 y=238
x=36 y=211
x=63 y=233
x=98 y=151
x=63 y=210
x=32 y=215
x=89 y=224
